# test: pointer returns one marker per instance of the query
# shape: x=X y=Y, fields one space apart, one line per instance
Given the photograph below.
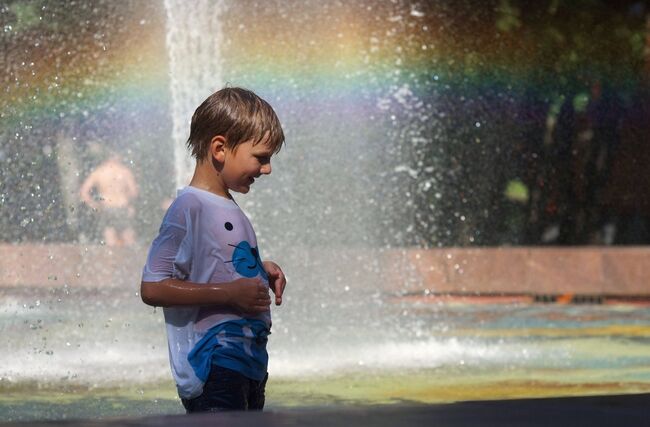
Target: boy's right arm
x=246 y=295
x=170 y=256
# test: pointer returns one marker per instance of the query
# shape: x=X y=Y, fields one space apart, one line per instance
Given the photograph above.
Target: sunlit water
x=111 y=348
x=376 y=111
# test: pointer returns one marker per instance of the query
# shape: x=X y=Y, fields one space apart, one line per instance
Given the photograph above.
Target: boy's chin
x=242 y=190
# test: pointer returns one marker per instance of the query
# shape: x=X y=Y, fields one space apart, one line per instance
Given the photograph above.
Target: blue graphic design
x=239 y=345
x=247 y=261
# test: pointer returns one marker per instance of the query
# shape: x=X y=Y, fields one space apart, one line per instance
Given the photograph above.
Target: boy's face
x=245 y=163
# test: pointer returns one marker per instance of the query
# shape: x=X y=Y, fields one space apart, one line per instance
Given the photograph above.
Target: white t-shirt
x=205 y=238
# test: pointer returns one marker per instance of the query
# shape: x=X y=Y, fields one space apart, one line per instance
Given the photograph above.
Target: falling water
x=193 y=42
x=338 y=293
x=375 y=114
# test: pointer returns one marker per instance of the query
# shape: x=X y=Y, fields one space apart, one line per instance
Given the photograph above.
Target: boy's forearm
x=175 y=292
x=248 y=296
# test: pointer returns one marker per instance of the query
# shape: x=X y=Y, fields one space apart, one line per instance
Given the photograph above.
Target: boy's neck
x=207 y=178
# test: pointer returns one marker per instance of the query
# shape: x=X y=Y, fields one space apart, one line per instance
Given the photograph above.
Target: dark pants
x=228 y=390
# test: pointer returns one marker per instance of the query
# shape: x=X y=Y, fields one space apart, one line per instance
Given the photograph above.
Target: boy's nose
x=265 y=169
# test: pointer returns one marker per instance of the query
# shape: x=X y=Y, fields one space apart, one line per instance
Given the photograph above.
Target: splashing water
x=194 y=41
x=374 y=104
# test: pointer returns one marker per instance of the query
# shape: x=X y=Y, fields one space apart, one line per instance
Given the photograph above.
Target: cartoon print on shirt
x=247 y=260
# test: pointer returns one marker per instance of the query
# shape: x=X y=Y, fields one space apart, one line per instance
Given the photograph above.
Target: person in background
x=110 y=190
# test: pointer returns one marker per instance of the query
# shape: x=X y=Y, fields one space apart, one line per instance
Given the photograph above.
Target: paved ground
x=625 y=410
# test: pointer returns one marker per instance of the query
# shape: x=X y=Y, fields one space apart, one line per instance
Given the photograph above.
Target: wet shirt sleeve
x=170 y=255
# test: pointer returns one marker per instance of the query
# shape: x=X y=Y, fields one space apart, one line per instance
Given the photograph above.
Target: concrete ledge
x=520 y=270
x=548 y=270
x=90 y=266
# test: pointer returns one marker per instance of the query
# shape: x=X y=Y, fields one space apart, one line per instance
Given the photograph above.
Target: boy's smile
x=234 y=168
x=244 y=163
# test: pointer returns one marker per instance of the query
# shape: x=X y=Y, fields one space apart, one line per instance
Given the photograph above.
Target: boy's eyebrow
x=268 y=152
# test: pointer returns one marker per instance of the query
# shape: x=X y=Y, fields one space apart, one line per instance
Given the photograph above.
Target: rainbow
x=116 y=71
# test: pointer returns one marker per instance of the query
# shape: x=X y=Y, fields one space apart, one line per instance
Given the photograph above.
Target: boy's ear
x=218 y=148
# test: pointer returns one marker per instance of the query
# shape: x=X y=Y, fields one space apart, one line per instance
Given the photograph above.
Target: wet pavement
x=620 y=410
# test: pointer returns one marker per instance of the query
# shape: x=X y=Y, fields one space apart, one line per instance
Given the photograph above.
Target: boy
x=204 y=267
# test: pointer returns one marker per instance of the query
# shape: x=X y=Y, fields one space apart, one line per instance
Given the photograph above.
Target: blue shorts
x=228 y=390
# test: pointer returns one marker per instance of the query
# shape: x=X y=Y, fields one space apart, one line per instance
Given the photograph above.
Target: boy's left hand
x=277 y=281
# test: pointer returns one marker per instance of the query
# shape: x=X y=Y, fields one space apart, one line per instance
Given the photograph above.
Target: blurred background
x=424 y=139
x=461 y=125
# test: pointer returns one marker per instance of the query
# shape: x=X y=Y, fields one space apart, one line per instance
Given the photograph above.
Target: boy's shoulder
x=187 y=198
x=186 y=202
x=194 y=201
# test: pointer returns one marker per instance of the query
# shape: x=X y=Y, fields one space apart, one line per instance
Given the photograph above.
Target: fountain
x=193 y=41
x=378 y=203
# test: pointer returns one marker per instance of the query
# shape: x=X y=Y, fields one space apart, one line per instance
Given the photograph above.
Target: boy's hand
x=277 y=281
x=249 y=296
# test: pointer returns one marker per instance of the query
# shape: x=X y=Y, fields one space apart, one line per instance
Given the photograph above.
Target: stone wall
x=548 y=270
x=527 y=270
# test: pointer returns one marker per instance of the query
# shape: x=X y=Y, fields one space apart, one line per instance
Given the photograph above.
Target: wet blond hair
x=237 y=114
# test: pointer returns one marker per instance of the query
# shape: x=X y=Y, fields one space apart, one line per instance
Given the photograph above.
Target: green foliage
x=516 y=191
x=580 y=102
x=508 y=16
x=574 y=40
x=26 y=14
